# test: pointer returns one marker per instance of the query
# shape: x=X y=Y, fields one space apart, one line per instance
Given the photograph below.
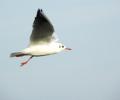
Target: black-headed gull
x=42 y=40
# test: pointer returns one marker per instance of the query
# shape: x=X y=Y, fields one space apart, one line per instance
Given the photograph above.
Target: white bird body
x=43 y=49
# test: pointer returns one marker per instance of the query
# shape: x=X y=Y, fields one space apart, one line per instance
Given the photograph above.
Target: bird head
x=63 y=47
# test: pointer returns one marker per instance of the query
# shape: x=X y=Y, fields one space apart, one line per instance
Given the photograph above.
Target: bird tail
x=17 y=54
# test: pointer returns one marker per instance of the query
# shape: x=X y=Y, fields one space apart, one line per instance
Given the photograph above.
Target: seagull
x=42 y=40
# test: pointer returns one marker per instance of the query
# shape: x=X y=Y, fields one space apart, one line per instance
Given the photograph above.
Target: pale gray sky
x=91 y=71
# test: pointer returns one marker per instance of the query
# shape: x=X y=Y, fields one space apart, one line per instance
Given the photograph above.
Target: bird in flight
x=42 y=40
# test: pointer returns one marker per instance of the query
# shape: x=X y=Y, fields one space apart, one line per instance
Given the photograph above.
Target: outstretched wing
x=42 y=28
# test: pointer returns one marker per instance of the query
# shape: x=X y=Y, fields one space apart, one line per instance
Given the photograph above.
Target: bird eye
x=61 y=46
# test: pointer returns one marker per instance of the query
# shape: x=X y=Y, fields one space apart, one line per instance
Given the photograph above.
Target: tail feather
x=17 y=54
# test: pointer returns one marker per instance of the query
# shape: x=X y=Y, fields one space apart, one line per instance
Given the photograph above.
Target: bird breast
x=41 y=50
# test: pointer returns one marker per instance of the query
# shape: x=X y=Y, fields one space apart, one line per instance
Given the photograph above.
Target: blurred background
x=91 y=71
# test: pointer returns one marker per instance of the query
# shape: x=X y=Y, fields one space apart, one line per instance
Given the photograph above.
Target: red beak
x=68 y=49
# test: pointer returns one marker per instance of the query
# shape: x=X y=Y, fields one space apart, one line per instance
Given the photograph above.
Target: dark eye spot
x=61 y=46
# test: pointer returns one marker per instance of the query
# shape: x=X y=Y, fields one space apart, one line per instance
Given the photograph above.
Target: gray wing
x=42 y=28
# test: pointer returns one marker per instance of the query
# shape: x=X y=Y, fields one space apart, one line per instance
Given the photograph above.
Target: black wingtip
x=39 y=11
